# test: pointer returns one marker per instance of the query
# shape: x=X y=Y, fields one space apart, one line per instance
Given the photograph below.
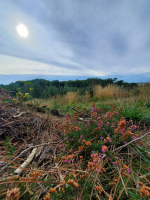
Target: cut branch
x=139 y=138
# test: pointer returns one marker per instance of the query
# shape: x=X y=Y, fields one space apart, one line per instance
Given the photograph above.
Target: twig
x=57 y=167
x=139 y=138
x=122 y=190
x=80 y=112
x=20 y=114
x=93 y=185
x=122 y=182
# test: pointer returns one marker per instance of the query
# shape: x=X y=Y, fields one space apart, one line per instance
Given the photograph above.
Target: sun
x=22 y=30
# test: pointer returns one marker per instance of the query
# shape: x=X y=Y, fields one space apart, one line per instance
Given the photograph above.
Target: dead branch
x=139 y=138
x=80 y=112
x=20 y=114
x=26 y=163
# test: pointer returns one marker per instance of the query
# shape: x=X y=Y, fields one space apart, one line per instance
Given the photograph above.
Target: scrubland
x=98 y=150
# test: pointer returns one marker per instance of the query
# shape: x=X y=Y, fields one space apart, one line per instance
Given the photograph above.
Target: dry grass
x=107 y=94
x=144 y=92
x=71 y=97
x=111 y=91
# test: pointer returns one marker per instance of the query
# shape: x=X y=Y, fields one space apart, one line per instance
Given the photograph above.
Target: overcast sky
x=75 y=37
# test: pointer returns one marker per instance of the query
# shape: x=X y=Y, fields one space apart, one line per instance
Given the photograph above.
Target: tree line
x=43 y=89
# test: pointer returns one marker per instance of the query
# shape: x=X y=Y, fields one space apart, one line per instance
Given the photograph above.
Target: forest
x=44 y=89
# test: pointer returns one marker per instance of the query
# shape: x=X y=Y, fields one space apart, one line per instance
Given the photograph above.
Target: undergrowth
x=99 y=158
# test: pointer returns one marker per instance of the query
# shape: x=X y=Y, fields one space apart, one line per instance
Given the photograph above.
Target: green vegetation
x=45 y=89
x=101 y=151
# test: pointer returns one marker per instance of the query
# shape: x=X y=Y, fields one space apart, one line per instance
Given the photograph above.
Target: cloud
x=24 y=66
x=80 y=37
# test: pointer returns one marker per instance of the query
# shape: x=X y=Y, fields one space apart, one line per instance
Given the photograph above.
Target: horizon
x=8 y=79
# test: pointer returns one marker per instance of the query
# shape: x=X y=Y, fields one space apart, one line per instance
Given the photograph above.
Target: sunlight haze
x=22 y=30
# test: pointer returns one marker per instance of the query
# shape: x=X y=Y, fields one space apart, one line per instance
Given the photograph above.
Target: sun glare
x=22 y=30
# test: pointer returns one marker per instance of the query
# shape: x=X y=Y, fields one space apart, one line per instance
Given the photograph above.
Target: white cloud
x=13 y=65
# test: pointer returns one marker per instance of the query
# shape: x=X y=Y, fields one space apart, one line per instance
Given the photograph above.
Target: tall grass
x=109 y=95
x=110 y=91
x=71 y=97
x=144 y=92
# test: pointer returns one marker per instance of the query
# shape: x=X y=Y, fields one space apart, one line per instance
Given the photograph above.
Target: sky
x=75 y=37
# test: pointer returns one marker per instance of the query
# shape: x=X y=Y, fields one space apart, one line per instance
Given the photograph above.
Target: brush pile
x=21 y=129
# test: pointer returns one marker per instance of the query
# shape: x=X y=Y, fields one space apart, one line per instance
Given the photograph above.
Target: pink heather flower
x=114 y=164
x=100 y=156
x=107 y=123
x=101 y=138
x=64 y=149
x=134 y=137
x=128 y=170
x=81 y=136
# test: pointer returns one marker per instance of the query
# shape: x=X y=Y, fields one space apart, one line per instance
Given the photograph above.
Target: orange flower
x=145 y=191
x=47 y=197
x=98 y=188
x=104 y=148
x=13 y=194
x=90 y=166
x=52 y=190
x=122 y=124
x=80 y=148
x=88 y=143
x=63 y=158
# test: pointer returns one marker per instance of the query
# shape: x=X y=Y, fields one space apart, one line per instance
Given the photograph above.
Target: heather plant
x=99 y=156
x=100 y=152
